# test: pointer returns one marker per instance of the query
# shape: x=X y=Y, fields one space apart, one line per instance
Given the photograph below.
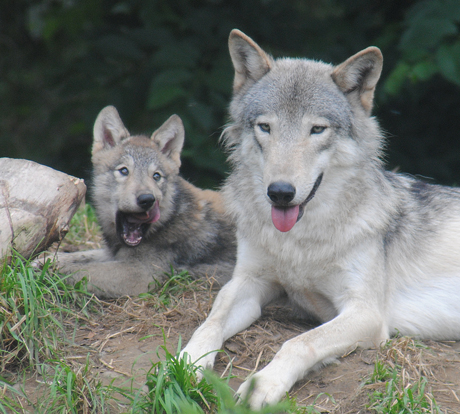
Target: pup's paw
x=40 y=260
x=261 y=390
x=37 y=264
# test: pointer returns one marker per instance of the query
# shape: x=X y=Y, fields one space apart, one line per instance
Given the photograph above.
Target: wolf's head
x=133 y=176
x=293 y=119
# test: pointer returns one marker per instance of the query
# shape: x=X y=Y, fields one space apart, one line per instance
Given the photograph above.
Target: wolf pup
x=366 y=252
x=151 y=218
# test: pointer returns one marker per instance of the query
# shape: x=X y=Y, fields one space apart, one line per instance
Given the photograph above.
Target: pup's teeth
x=284 y=218
x=132 y=234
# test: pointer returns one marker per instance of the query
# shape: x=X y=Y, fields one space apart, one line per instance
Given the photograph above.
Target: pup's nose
x=281 y=193
x=145 y=201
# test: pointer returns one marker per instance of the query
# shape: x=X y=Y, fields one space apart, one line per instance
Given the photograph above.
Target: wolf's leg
x=218 y=273
x=357 y=324
x=237 y=305
x=114 y=278
x=87 y=256
x=66 y=260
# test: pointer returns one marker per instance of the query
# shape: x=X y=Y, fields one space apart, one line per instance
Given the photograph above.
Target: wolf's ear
x=108 y=129
x=359 y=75
x=249 y=60
x=170 y=138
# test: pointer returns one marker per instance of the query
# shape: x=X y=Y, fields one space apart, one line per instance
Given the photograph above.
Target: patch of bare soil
x=125 y=338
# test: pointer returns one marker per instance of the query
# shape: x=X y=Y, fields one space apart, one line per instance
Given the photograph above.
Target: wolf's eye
x=157 y=176
x=264 y=127
x=123 y=171
x=317 y=129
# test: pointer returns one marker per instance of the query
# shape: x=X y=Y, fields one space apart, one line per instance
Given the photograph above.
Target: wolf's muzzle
x=285 y=216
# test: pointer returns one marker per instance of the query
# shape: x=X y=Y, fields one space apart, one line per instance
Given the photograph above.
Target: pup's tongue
x=150 y=216
x=284 y=218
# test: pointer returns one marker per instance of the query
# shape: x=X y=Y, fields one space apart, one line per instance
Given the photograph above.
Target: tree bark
x=36 y=206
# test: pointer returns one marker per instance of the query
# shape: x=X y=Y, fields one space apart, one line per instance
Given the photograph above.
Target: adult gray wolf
x=366 y=252
x=151 y=218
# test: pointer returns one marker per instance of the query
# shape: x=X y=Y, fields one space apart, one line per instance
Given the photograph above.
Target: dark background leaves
x=62 y=61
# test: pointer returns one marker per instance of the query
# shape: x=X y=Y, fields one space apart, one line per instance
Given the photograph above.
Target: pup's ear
x=249 y=60
x=359 y=74
x=170 y=138
x=108 y=129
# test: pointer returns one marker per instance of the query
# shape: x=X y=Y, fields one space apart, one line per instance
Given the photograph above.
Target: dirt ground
x=124 y=341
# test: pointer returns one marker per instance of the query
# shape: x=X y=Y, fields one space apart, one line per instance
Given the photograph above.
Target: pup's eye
x=157 y=176
x=123 y=171
x=317 y=129
x=264 y=127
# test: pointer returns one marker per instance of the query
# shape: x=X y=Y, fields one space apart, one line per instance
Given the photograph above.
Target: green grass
x=9 y=398
x=173 y=383
x=175 y=386
x=163 y=294
x=73 y=388
x=398 y=400
x=64 y=388
x=397 y=396
x=34 y=303
x=35 y=306
x=83 y=227
x=382 y=372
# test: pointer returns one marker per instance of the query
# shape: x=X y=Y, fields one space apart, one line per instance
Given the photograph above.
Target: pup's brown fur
x=151 y=218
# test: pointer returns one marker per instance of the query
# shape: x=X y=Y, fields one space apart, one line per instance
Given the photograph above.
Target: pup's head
x=134 y=175
x=294 y=118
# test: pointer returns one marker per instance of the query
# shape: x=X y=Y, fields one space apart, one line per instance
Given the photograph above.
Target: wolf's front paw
x=194 y=356
x=261 y=390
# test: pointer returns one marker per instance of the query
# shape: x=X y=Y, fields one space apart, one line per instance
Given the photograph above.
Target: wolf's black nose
x=281 y=193
x=145 y=201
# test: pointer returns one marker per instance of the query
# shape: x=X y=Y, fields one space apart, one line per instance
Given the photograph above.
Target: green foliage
x=430 y=44
x=66 y=388
x=33 y=305
x=173 y=383
x=381 y=372
x=83 y=228
x=9 y=398
x=163 y=293
x=175 y=386
x=397 y=400
x=73 y=389
x=398 y=397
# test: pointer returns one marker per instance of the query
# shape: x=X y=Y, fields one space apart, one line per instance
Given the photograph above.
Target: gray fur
x=366 y=252
x=192 y=233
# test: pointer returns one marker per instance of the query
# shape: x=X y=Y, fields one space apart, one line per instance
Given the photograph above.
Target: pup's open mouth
x=284 y=218
x=131 y=227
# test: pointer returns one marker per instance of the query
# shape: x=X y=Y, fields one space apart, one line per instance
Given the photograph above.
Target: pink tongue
x=285 y=218
x=154 y=213
x=150 y=216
